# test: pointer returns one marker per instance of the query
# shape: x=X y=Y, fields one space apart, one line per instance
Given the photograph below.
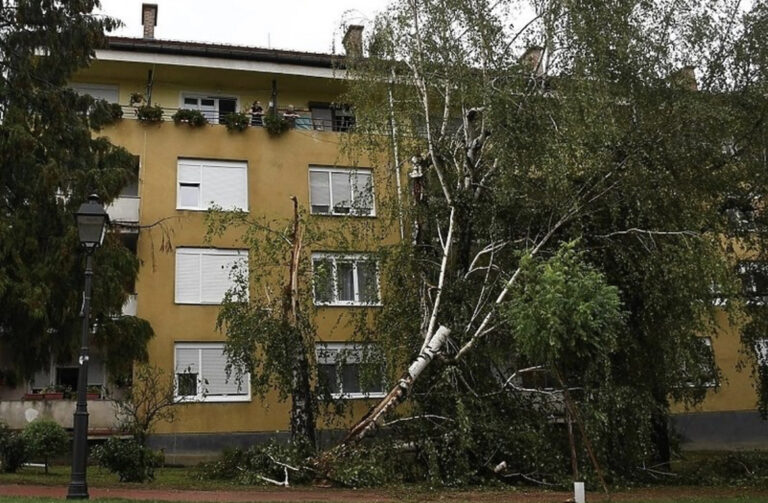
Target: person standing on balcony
x=257 y=114
x=290 y=115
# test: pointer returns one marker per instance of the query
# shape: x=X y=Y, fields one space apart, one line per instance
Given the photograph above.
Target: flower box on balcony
x=92 y=396
x=33 y=396
x=53 y=395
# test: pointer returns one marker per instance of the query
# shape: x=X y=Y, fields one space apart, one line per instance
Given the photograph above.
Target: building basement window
x=345 y=280
x=201 y=374
x=204 y=275
x=338 y=191
x=350 y=370
x=202 y=184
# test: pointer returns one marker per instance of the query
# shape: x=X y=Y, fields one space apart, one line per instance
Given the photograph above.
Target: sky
x=302 y=25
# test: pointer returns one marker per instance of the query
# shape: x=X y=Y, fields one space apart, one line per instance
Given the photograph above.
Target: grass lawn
x=742 y=499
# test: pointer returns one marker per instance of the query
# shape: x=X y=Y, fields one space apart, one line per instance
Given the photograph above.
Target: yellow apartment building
x=183 y=170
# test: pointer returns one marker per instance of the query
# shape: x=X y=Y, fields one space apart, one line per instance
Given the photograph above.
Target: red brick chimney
x=149 y=19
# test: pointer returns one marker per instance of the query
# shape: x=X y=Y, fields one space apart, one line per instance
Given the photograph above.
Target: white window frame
x=203 y=163
x=353 y=353
x=201 y=396
x=713 y=383
x=213 y=119
x=347 y=257
x=203 y=251
x=346 y=171
x=747 y=269
x=88 y=88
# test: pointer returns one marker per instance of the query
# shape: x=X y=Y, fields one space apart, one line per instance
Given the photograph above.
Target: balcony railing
x=124 y=209
x=303 y=121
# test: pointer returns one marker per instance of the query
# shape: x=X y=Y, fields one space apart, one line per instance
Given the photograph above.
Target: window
x=331 y=117
x=345 y=280
x=206 y=183
x=761 y=352
x=754 y=281
x=350 y=370
x=212 y=107
x=203 y=275
x=201 y=374
x=98 y=91
x=707 y=375
x=334 y=191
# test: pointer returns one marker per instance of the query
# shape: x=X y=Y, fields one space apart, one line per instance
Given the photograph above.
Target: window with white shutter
x=202 y=184
x=350 y=370
x=201 y=374
x=345 y=279
x=204 y=275
x=339 y=191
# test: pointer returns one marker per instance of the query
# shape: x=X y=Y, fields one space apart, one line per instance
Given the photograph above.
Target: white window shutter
x=189 y=172
x=320 y=194
x=215 y=375
x=215 y=276
x=187 y=277
x=342 y=190
x=187 y=360
x=225 y=187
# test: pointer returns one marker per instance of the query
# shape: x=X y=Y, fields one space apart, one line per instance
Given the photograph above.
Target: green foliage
x=249 y=466
x=562 y=308
x=130 y=460
x=50 y=161
x=194 y=118
x=236 y=121
x=275 y=125
x=45 y=439
x=605 y=145
x=149 y=113
x=13 y=449
x=748 y=468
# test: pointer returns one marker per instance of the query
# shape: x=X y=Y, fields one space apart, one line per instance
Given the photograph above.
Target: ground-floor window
x=350 y=370
x=202 y=374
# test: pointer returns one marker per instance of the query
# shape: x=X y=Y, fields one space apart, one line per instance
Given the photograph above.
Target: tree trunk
x=660 y=428
x=302 y=412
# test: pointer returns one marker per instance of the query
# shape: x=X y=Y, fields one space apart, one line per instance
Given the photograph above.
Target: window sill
x=337 y=215
x=214 y=399
x=358 y=396
x=348 y=304
x=232 y=210
x=196 y=303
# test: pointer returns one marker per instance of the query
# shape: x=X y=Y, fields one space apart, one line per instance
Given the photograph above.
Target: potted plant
x=149 y=113
x=53 y=393
x=93 y=392
x=276 y=125
x=194 y=118
x=236 y=121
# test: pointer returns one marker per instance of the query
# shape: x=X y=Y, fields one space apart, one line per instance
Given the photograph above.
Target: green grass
x=744 y=499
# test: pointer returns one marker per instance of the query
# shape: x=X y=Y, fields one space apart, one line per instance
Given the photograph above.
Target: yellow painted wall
x=277 y=169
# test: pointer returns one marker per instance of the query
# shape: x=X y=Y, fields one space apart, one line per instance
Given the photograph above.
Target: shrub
x=131 y=461
x=194 y=118
x=149 y=113
x=45 y=438
x=13 y=449
x=236 y=121
x=276 y=126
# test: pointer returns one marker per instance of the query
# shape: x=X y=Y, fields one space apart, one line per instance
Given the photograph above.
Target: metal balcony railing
x=300 y=119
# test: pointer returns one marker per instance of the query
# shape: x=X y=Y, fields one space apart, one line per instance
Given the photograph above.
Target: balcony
x=124 y=209
x=303 y=119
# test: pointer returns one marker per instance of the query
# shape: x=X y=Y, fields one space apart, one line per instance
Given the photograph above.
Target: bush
x=236 y=121
x=45 y=438
x=194 y=118
x=13 y=449
x=130 y=460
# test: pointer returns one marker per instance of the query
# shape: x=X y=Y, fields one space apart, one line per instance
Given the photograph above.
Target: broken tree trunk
x=377 y=413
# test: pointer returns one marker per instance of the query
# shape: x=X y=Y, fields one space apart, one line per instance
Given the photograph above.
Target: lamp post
x=92 y=221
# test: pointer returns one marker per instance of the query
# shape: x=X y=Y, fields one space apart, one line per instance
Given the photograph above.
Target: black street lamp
x=92 y=221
